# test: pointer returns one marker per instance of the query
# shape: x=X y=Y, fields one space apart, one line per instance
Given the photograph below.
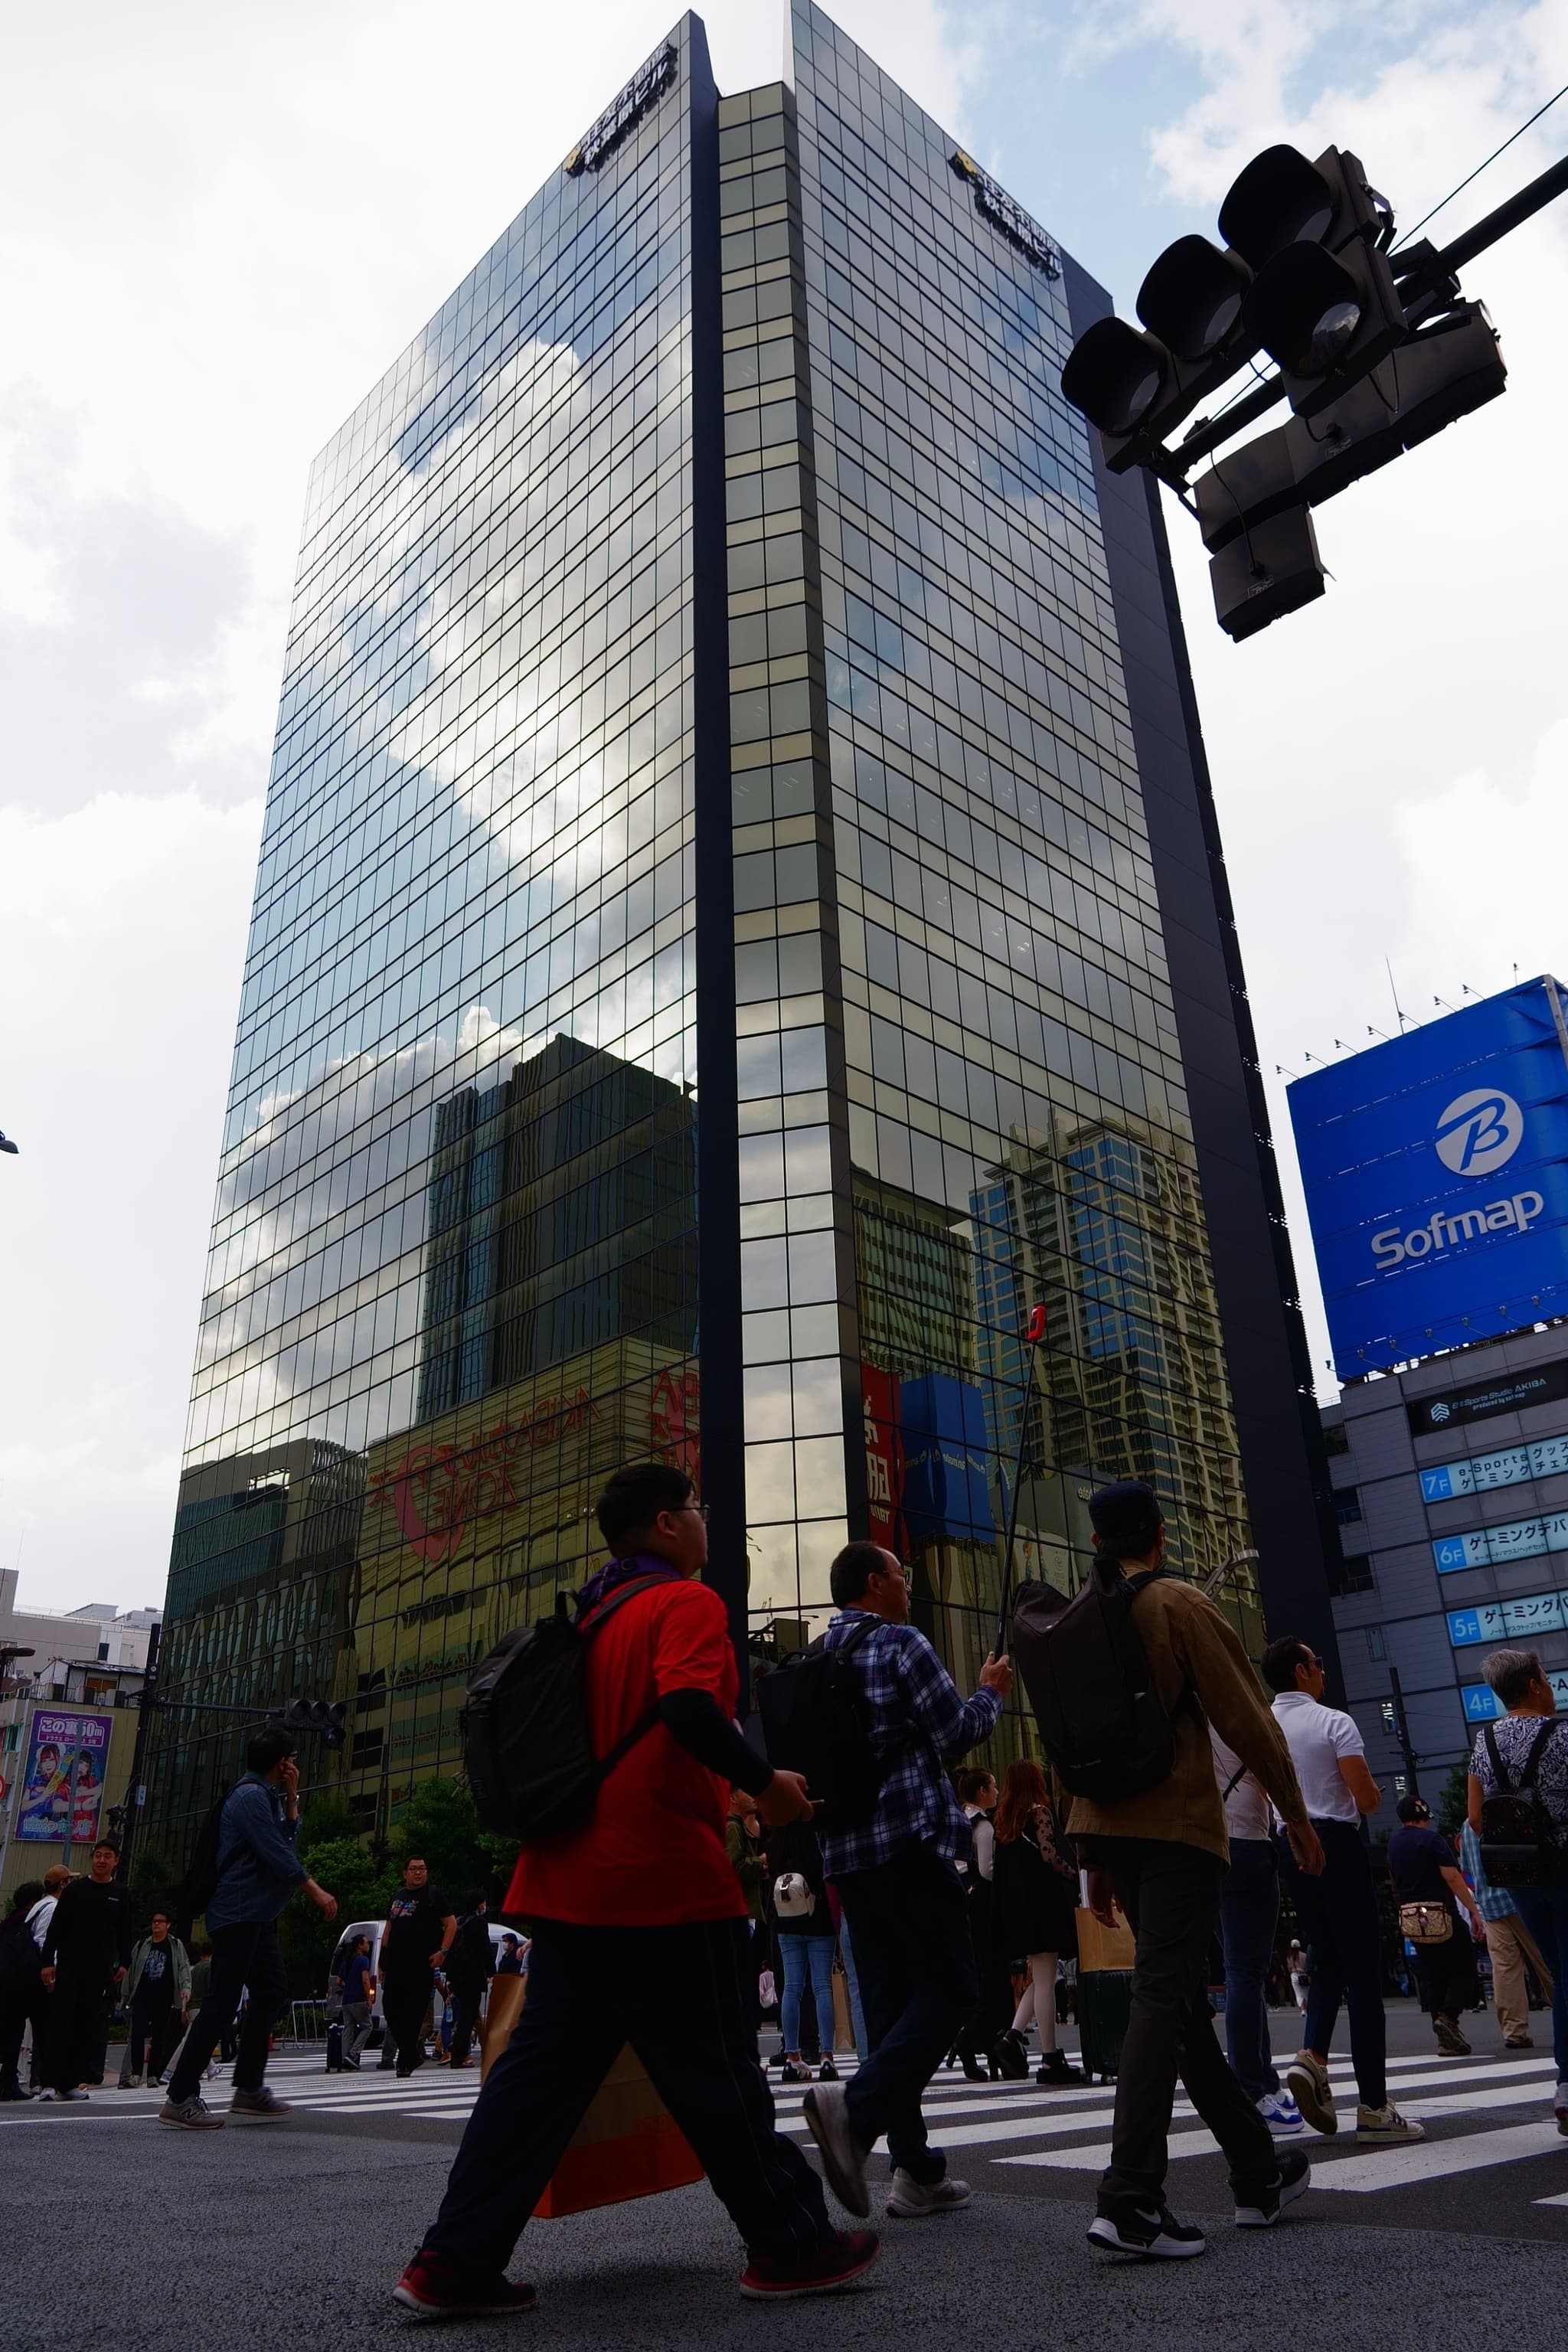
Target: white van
x=375 y=1929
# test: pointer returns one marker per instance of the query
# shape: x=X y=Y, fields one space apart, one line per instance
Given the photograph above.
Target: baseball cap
x=1126 y=1514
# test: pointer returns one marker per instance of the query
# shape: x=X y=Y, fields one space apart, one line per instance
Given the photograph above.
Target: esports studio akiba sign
x=1436 y=1168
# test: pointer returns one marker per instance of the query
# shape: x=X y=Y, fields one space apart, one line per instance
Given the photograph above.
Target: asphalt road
x=129 y=2235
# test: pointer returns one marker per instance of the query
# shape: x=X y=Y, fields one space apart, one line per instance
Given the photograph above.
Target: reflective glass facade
x=707 y=977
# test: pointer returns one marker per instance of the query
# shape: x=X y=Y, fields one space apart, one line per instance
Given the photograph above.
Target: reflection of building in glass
x=260 y=1583
x=725 y=765
x=541 y=1241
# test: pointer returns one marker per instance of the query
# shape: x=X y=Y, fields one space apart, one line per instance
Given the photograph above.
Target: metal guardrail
x=307 y=2024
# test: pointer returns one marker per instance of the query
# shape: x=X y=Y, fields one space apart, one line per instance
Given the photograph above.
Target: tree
x=441 y=1822
x=152 y=1882
x=363 y=1883
x=1455 y=1800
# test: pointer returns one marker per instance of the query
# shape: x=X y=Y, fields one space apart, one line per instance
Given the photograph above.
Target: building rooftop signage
x=1004 y=212
x=1436 y=1168
x=645 y=87
x=1544 y=1384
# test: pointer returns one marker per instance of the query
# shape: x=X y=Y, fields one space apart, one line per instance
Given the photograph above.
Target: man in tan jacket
x=1163 y=1855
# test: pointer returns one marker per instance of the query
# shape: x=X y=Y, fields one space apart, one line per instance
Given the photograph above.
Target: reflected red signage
x=437 y=1491
x=884 y=1458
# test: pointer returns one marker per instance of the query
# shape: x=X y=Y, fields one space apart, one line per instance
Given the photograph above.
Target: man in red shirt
x=640 y=1937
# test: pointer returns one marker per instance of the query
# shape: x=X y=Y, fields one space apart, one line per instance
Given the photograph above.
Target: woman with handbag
x=1430 y=1893
x=803 y=1921
x=1035 y=1893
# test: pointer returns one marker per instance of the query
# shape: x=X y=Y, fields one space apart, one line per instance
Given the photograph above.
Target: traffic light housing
x=327 y=1717
x=1323 y=300
x=1272 y=568
x=1135 y=387
x=1446 y=371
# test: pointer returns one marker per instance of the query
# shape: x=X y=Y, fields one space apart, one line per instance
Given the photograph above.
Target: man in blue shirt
x=258 y=1872
x=902 y=1894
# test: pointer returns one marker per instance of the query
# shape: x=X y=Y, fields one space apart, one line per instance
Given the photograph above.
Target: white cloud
x=217 y=228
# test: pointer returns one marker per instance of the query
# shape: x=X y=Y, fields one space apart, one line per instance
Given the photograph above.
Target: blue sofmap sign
x=1436 y=1168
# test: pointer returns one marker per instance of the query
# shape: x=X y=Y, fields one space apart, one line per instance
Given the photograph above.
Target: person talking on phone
x=257 y=1872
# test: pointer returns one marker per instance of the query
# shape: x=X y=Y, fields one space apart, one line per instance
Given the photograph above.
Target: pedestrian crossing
x=1502 y=2109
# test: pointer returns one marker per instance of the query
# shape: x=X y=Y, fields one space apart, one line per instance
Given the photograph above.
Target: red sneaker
x=436 y=2292
x=848 y=2255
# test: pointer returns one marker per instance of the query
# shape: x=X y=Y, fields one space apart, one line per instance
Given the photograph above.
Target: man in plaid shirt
x=902 y=1896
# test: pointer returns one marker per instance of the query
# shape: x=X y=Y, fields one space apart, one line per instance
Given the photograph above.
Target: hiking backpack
x=817 y=1720
x=1103 y=1723
x=1519 y=1847
x=526 y=1745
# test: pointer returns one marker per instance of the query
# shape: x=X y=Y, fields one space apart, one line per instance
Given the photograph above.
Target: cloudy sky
x=217 y=227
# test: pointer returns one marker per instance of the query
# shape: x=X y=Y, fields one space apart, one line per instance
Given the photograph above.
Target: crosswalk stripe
x=1398 y=2168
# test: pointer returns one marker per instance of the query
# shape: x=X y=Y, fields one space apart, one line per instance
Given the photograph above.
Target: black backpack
x=817 y=1720
x=1103 y=1723
x=199 y=1887
x=530 y=1763
x=20 y=1958
x=816 y=1723
x=1519 y=1845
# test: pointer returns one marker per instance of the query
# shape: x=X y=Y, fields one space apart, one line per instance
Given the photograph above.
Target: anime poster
x=62 y=1788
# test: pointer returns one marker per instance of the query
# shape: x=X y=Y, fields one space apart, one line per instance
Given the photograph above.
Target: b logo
x=1479 y=1132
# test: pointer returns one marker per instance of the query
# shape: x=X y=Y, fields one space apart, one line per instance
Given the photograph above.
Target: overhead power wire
x=1481 y=167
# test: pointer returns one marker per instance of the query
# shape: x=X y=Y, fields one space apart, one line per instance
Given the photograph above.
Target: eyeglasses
x=895 y=1570
x=700 y=1509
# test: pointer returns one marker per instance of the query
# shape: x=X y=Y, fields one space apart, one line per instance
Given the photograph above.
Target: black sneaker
x=828 y=2072
x=1262 y=2209
x=779 y=2278
x=793 y=2071
x=1149 y=2230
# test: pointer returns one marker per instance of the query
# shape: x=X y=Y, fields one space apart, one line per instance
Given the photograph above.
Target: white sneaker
x=913 y=2201
x=1282 y=2116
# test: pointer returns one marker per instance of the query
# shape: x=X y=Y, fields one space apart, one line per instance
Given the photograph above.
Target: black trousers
x=915 y=1962
x=1171 y=1896
x=154 y=2023
x=1446 y=1973
x=244 y=1956
x=466 y=2007
x=678 y=1996
x=1337 y=1917
x=16 y=2009
x=73 y=2022
x=403 y=2001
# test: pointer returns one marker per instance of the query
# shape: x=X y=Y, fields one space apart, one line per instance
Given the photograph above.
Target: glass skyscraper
x=738 y=921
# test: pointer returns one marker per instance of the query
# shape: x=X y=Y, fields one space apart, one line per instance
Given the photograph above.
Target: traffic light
x=1323 y=302
x=327 y=1717
x=1435 y=377
x=1375 y=350
x=1136 y=387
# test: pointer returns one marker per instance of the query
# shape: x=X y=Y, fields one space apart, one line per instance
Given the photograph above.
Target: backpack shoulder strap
x=861 y=1632
x=622 y=1593
x=1538 y=1748
x=1505 y=1783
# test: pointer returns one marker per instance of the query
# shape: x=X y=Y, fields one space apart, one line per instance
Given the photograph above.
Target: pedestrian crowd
x=892 y=1901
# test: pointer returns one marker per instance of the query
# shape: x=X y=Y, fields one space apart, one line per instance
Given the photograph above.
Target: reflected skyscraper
x=740 y=915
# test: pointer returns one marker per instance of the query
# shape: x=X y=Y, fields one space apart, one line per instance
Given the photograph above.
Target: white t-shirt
x=1248 y=1812
x=1317 y=1738
x=39 y=1916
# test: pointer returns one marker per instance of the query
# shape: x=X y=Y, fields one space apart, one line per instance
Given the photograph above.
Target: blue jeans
x=910 y=1927
x=1544 y=1911
x=800 y=1952
x=857 y=2014
x=1248 y=1914
x=1337 y=1918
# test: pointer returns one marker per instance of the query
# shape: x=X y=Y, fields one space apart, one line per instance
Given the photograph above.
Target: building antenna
x=1399 y=1013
